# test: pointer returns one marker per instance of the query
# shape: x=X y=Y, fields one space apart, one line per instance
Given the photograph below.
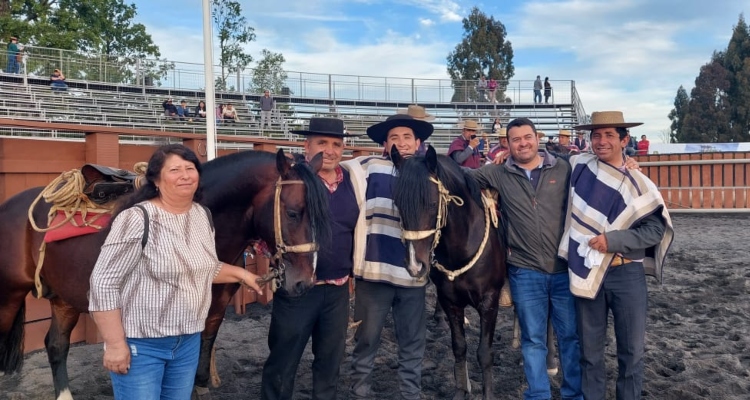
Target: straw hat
x=417 y=112
x=564 y=132
x=502 y=132
x=471 y=125
x=607 y=119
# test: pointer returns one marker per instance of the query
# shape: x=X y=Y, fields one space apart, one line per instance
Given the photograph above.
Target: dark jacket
x=533 y=219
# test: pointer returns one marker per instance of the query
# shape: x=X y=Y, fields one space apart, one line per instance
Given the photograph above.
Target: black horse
x=451 y=233
x=244 y=191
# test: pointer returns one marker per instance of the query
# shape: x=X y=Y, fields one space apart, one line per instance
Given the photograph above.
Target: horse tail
x=11 y=344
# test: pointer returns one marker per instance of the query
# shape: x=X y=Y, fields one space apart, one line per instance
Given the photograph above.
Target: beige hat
x=417 y=112
x=471 y=125
x=502 y=132
x=607 y=119
x=564 y=132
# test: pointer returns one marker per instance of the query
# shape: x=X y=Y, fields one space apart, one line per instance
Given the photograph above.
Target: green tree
x=268 y=73
x=708 y=115
x=233 y=32
x=677 y=115
x=737 y=63
x=484 y=50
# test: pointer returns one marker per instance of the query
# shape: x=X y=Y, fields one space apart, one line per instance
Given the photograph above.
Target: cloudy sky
x=630 y=55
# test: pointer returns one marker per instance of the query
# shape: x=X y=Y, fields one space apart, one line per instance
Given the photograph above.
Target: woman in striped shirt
x=150 y=302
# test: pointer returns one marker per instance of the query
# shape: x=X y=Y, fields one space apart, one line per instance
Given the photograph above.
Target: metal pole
x=208 y=61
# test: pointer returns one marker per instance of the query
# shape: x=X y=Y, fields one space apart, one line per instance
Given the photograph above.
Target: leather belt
x=619 y=260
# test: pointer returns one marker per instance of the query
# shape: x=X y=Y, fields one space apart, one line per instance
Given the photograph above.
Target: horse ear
x=396 y=157
x=283 y=163
x=316 y=163
x=431 y=158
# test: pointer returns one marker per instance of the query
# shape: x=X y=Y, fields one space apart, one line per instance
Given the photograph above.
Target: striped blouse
x=163 y=289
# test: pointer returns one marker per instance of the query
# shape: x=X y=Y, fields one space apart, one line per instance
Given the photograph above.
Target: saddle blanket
x=70 y=230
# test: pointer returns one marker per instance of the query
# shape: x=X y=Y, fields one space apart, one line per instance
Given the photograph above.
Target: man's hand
x=599 y=243
x=631 y=163
x=501 y=157
x=474 y=143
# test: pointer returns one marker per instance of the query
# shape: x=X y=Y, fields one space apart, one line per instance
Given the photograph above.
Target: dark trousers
x=322 y=313
x=624 y=292
x=373 y=302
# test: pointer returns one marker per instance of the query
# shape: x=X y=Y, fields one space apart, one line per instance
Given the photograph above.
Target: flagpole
x=208 y=62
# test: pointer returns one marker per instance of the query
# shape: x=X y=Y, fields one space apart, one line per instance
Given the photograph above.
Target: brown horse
x=449 y=232
x=239 y=189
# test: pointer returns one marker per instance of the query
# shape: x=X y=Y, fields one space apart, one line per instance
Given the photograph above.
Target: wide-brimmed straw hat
x=502 y=132
x=607 y=119
x=471 y=125
x=564 y=132
x=332 y=127
x=379 y=132
x=417 y=112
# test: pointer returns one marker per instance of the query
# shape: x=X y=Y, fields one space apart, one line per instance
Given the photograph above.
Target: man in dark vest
x=464 y=149
x=322 y=312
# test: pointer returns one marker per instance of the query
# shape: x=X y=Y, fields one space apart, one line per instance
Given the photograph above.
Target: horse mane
x=316 y=197
x=412 y=188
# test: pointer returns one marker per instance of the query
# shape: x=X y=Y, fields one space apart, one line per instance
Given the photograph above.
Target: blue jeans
x=372 y=302
x=624 y=292
x=160 y=368
x=537 y=296
x=13 y=66
x=537 y=95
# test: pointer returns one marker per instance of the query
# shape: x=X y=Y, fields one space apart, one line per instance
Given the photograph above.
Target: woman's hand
x=250 y=280
x=117 y=357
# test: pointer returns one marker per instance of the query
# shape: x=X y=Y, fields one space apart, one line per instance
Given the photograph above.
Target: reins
x=276 y=274
x=444 y=198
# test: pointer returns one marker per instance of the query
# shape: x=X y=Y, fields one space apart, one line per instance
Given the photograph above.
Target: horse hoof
x=552 y=371
x=200 y=393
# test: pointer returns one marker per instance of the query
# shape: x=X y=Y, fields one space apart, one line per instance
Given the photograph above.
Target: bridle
x=276 y=273
x=444 y=198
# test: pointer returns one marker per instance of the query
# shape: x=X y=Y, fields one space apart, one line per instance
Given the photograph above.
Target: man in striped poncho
x=618 y=230
x=382 y=283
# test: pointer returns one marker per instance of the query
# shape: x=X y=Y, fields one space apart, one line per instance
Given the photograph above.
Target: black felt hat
x=379 y=132
x=333 y=127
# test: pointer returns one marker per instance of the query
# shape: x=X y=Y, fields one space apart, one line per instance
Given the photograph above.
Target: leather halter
x=276 y=275
x=444 y=197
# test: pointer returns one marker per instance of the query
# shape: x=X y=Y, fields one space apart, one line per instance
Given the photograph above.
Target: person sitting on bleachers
x=200 y=110
x=219 y=113
x=170 y=110
x=57 y=81
x=230 y=114
x=183 y=111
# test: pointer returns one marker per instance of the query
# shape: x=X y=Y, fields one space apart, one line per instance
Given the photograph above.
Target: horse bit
x=444 y=198
x=276 y=274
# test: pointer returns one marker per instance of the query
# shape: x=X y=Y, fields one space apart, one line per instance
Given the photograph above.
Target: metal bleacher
x=134 y=106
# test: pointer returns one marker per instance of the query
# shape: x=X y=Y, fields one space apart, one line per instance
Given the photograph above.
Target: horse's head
x=301 y=222
x=417 y=197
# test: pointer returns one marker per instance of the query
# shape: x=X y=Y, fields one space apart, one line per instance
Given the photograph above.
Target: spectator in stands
x=57 y=81
x=581 y=141
x=538 y=90
x=482 y=88
x=230 y=114
x=632 y=146
x=200 y=110
x=183 y=111
x=496 y=125
x=564 y=142
x=13 y=66
x=465 y=148
x=219 y=113
x=643 y=146
x=500 y=147
x=492 y=87
x=170 y=110
x=266 y=107
x=547 y=90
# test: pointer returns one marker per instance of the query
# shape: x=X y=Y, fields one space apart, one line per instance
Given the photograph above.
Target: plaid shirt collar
x=332 y=186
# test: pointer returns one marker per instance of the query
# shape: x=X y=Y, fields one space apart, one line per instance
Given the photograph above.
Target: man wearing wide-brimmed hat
x=465 y=149
x=323 y=312
x=564 y=141
x=618 y=229
x=417 y=112
x=13 y=66
x=502 y=145
x=382 y=284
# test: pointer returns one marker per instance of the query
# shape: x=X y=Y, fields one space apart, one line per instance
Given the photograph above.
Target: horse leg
x=57 y=342
x=455 y=316
x=487 y=320
x=12 y=318
x=221 y=295
x=551 y=365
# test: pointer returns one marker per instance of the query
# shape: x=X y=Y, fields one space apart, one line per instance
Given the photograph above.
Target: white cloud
x=449 y=11
x=426 y=22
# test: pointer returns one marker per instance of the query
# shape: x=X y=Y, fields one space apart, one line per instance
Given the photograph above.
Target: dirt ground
x=698 y=342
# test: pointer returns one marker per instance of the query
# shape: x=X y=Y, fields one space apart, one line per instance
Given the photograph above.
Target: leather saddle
x=105 y=184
